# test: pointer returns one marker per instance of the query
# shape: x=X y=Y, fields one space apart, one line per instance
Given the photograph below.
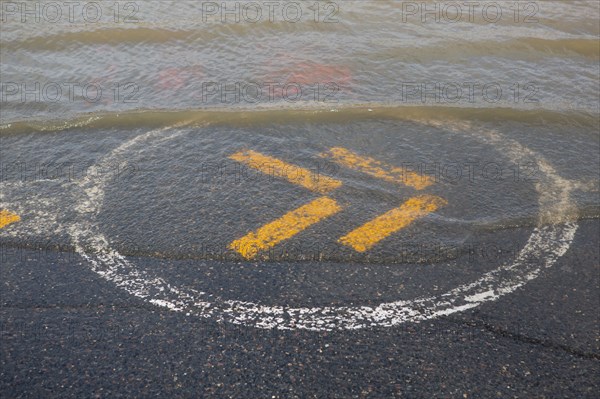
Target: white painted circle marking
x=545 y=245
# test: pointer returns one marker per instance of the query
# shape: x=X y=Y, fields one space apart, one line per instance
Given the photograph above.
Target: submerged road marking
x=294 y=221
x=370 y=233
x=366 y=236
x=378 y=169
x=7 y=217
x=285 y=227
x=300 y=176
x=543 y=248
x=362 y=238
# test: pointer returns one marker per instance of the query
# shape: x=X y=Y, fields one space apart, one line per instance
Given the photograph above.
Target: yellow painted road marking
x=7 y=217
x=378 y=169
x=294 y=174
x=370 y=233
x=285 y=227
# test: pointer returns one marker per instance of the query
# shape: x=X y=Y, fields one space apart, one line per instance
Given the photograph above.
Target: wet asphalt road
x=67 y=333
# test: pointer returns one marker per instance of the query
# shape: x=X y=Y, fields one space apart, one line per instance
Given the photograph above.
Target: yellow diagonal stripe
x=294 y=174
x=378 y=169
x=285 y=227
x=7 y=218
x=370 y=233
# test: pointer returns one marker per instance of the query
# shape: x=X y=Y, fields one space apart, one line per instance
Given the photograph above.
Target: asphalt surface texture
x=67 y=333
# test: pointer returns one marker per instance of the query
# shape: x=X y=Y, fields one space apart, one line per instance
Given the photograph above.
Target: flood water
x=498 y=105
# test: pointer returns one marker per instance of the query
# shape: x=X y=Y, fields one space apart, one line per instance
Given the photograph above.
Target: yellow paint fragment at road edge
x=378 y=169
x=294 y=174
x=285 y=227
x=7 y=217
x=370 y=233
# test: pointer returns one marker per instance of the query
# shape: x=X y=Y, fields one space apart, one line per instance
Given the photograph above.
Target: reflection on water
x=188 y=55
